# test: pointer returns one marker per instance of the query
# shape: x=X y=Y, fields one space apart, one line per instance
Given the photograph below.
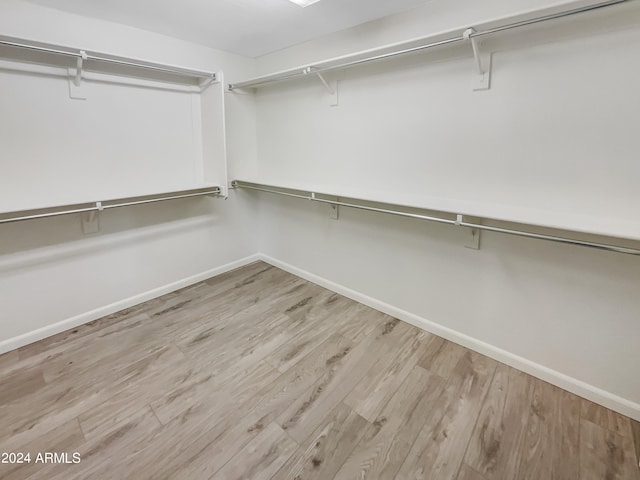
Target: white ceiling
x=247 y=27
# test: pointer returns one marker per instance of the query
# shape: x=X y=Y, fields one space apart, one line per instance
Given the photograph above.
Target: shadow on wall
x=44 y=240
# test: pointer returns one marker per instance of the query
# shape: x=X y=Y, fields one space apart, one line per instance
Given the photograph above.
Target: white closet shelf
x=440 y=211
x=98 y=206
x=468 y=34
x=82 y=55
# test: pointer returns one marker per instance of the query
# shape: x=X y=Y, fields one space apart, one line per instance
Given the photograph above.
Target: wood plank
x=155 y=374
x=441 y=357
x=375 y=389
x=261 y=458
x=265 y=318
x=320 y=456
x=383 y=448
x=310 y=307
x=114 y=346
x=66 y=438
x=551 y=446
x=237 y=386
x=605 y=418
x=605 y=454
x=439 y=449
x=468 y=473
x=247 y=275
x=316 y=331
x=59 y=402
x=354 y=320
x=21 y=383
x=36 y=351
x=105 y=456
x=209 y=438
x=379 y=349
x=635 y=427
x=8 y=361
x=501 y=426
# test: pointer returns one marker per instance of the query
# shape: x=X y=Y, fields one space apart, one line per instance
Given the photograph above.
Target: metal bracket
x=223 y=192
x=482 y=61
x=472 y=235
x=331 y=86
x=91 y=220
x=206 y=82
x=472 y=238
x=334 y=210
x=75 y=78
x=324 y=82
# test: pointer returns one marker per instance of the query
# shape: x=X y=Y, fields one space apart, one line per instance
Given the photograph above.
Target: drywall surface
x=436 y=16
x=551 y=142
x=554 y=141
x=51 y=274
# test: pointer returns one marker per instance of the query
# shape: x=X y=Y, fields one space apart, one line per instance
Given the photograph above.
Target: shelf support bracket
x=324 y=82
x=75 y=78
x=91 y=220
x=207 y=82
x=482 y=62
x=330 y=85
x=471 y=235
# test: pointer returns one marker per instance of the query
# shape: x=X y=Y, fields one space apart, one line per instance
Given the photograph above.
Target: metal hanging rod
x=106 y=205
x=331 y=64
x=99 y=57
x=459 y=221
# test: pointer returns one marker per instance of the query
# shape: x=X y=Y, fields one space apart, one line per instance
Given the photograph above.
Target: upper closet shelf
x=88 y=60
x=470 y=35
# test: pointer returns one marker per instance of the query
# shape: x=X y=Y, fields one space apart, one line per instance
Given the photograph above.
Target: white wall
x=53 y=277
x=553 y=142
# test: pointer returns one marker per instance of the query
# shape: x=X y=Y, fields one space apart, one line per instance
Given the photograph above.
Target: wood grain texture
x=377 y=350
x=385 y=445
x=8 y=361
x=501 y=426
x=605 y=454
x=65 y=438
x=468 y=473
x=605 y=418
x=551 y=446
x=260 y=374
x=441 y=357
x=18 y=385
x=321 y=455
x=635 y=428
x=439 y=449
x=261 y=458
x=375 y=389
x=317 y=331
x=241 y=424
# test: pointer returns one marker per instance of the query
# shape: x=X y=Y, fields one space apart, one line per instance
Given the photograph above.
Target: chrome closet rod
x=314 y=70
x=114 y=60
x=105 y=206
x=508 y=231
x=311 y=69
x=544 y=18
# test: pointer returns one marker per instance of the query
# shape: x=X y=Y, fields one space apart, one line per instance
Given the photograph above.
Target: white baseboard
x=66 y=324
x=578 y=387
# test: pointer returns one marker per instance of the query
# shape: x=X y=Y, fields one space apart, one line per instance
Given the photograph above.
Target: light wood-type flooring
x=258 y=374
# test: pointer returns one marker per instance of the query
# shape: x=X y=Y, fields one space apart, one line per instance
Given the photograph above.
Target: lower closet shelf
x=98 y=206
x=450 y=218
